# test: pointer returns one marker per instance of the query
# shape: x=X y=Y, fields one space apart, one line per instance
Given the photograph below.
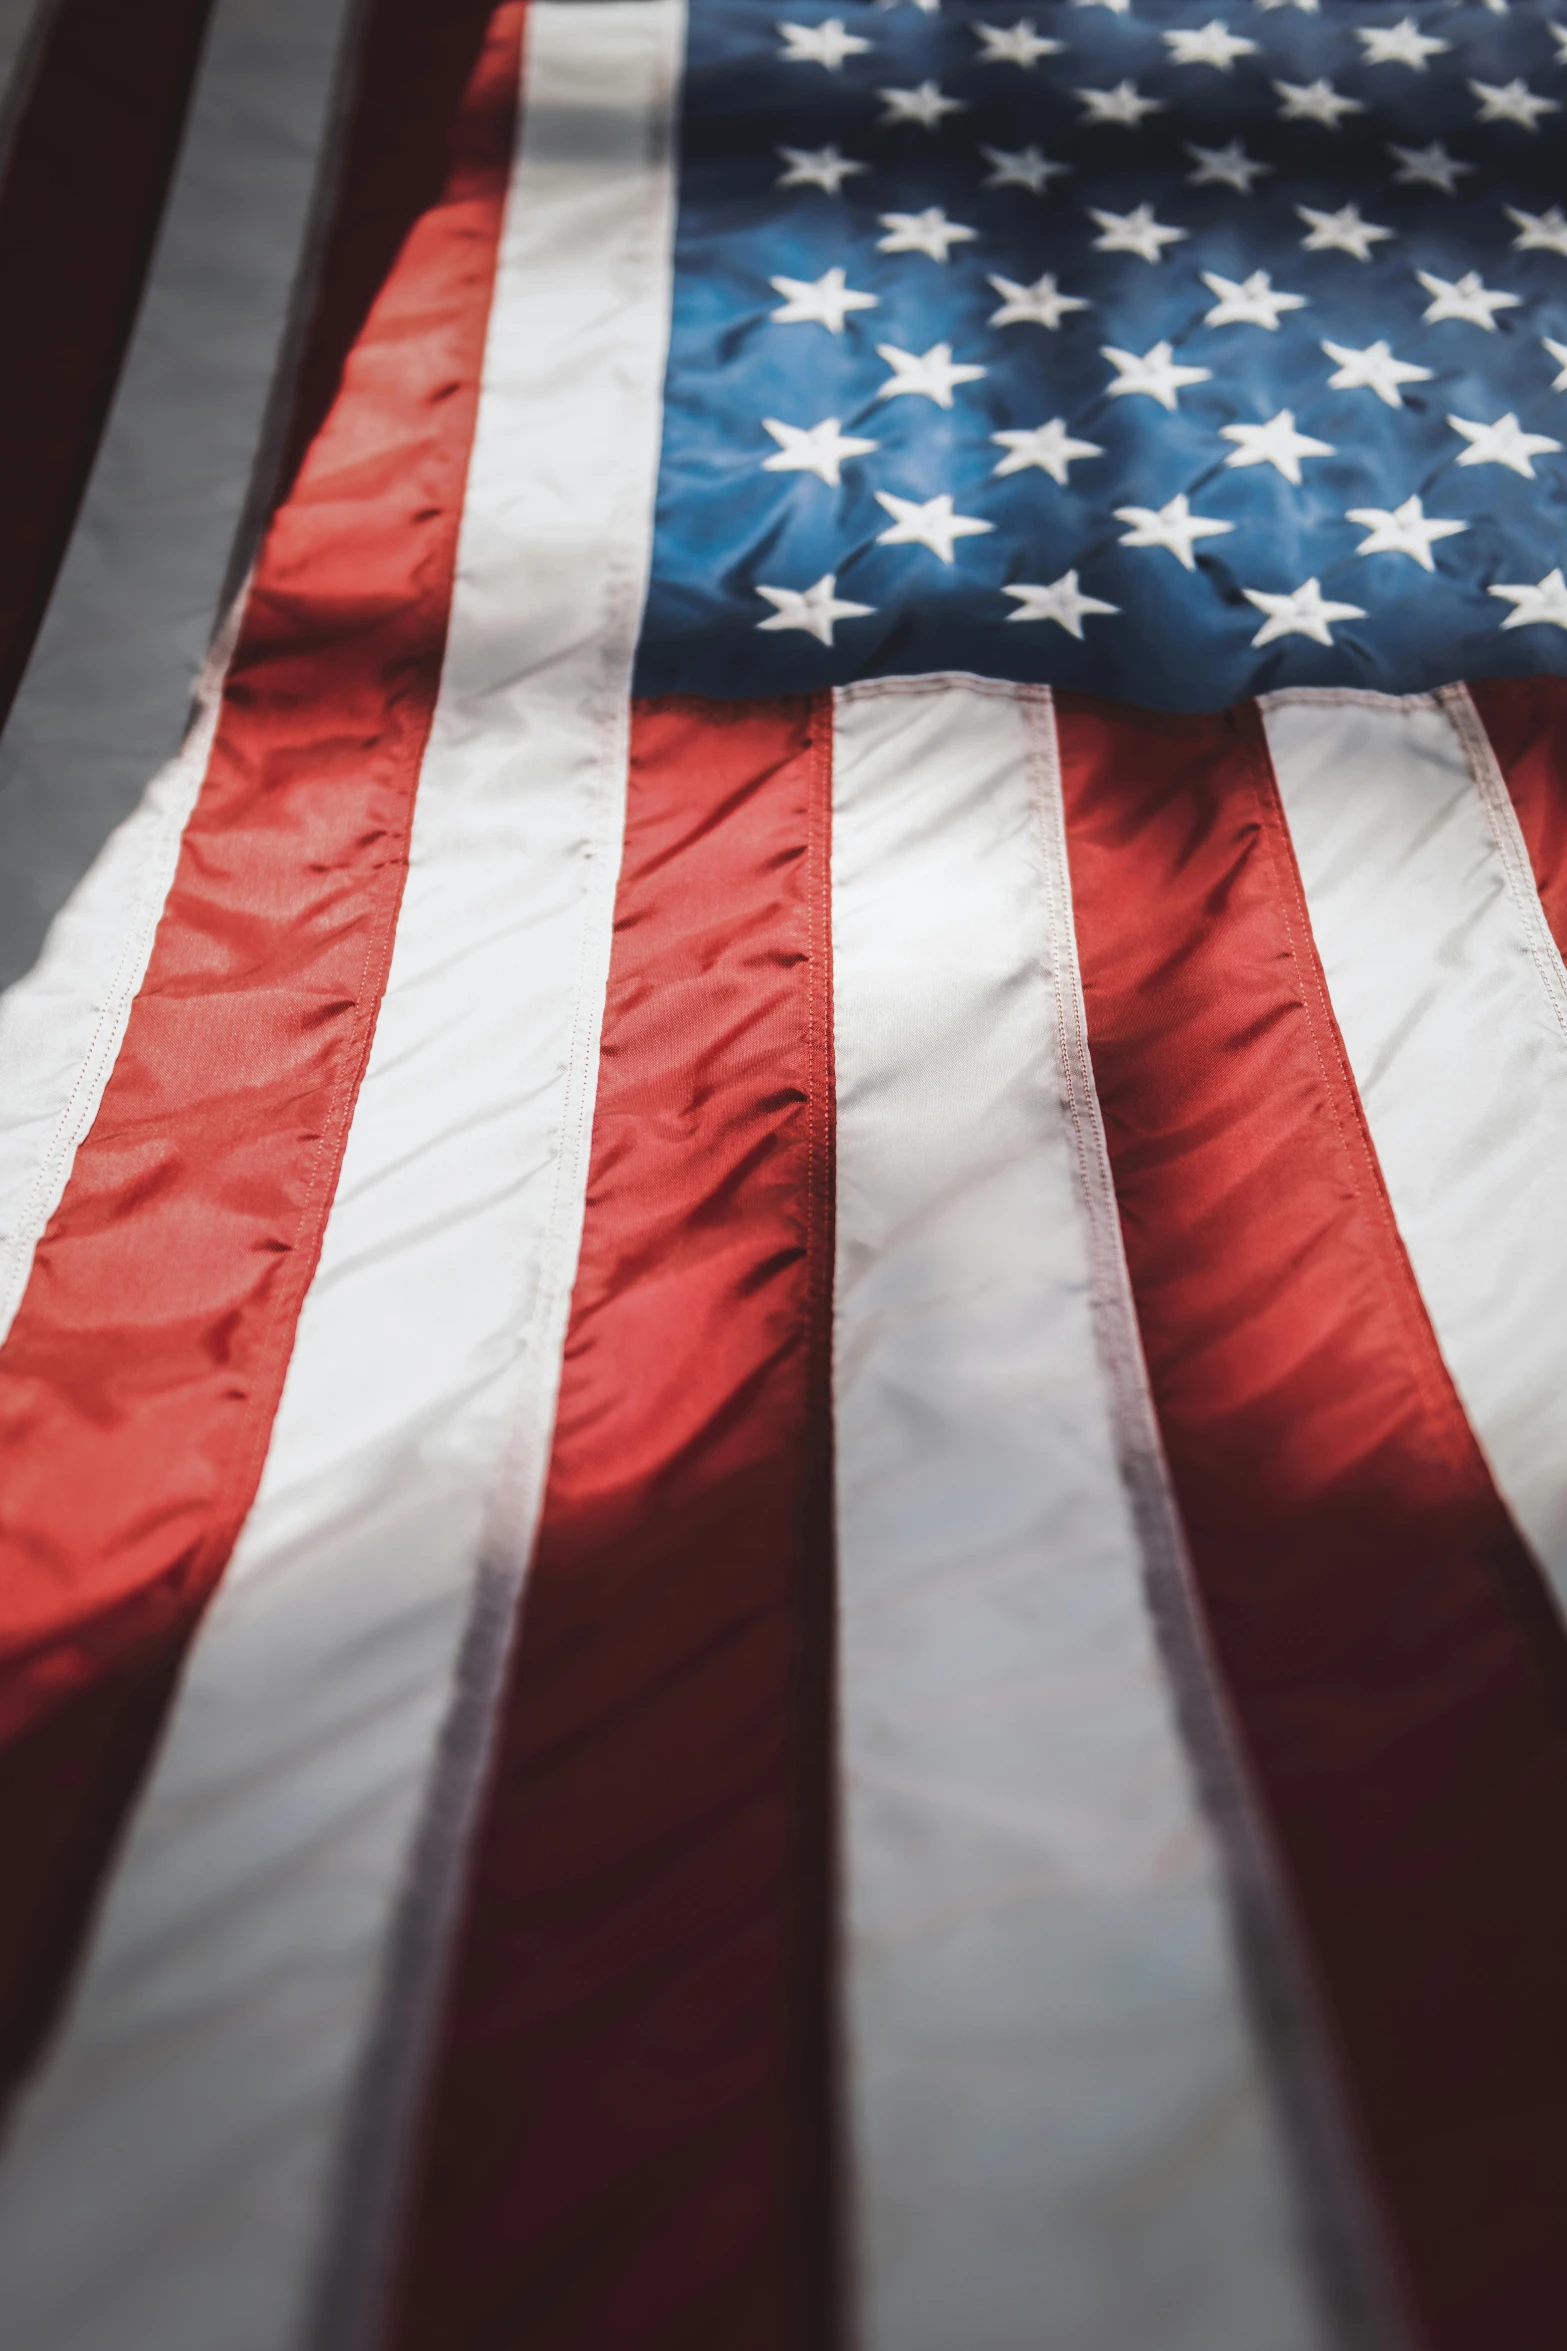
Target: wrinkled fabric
x=628 y=2119
x=1042 y=1999
x=102 y=755
x=1452 y=1003
x=140 y=1377
x=231 y=2094
x=1396 y=1673
x=1525 y=723
x=1175 y=638
x=631 y=2134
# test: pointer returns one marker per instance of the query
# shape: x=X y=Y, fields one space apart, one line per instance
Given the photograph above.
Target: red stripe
x=80 y=207
x=1398 y=1676
x=1526 y=719
x=628 y=2141
x=139 y=1382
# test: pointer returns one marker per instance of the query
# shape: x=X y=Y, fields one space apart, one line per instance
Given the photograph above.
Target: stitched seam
x=1273 y=1961
x=158 y=868
x=1422 y=1357
x=815 y=1615
x=1512 y=850
x=511 y=1520
x=937 y=682
x=1342 y=698
x=254 y=1438
x=1139 y=1440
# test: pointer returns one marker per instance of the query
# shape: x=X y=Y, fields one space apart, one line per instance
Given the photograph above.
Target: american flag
x=1171 y=354
x=783 y=1281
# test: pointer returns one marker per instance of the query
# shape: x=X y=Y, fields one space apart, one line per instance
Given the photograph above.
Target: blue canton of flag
x=1174 y=352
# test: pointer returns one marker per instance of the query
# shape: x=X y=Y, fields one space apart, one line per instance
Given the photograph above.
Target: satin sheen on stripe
x=1451 y=997
x=1388 y=1647
x=630 y=2134
x=296 y=1840
x=1043 y=2006
x=87 y=845
x=140 y=1377
x=221 y=1127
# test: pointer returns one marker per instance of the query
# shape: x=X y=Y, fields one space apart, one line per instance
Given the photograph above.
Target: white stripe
x=1452 y=1005
x=1060 y=2130
x=204 y=2096
x=87 y=845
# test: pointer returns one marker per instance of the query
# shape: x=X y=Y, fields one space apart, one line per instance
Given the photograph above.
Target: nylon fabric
x=629 y=2135
x=1526 y=725
x=1068 y=151
x=191 y=1198
x=1388 y=1650
x=1453 y=1005
x=87 y=843
x=1043 y=2000
x=140 y=1377
x=298 y=1840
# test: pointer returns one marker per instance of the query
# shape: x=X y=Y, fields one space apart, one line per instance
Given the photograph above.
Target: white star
x=932 y=525
x=1468 y=300
x=923 y=232
x=1016 y=44
x=1173 y=526
x=1136 y=232
x=1315 y=102
x=1558 y=33
x=925 y=105
x=1049 y=446
x=1029 y=168
x=1430 y=167
x=817 y=167
x=1512 y=102
x=1305 y=612
x=821 y=44
x=1558 y=352
x=1038 y=305
x=1062 y=601
x=1306 y=7
x=1209 y=44
x=1116 y=7
x=813 y=609
x=1155 y=373
x=1543 y=604
x=1226 y=167
x=1275 y=443
x=826 y=302
x=1503 y=443
x=818 y=448
x=1123 y=105
x=1408 y=530
x=1539 y=232
x=1252 y=303
x=1374 y=370
x=1341 y=232
x=931 y=373
x=1399 y=44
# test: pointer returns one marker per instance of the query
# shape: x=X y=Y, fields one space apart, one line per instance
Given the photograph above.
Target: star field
x=1173 y=351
